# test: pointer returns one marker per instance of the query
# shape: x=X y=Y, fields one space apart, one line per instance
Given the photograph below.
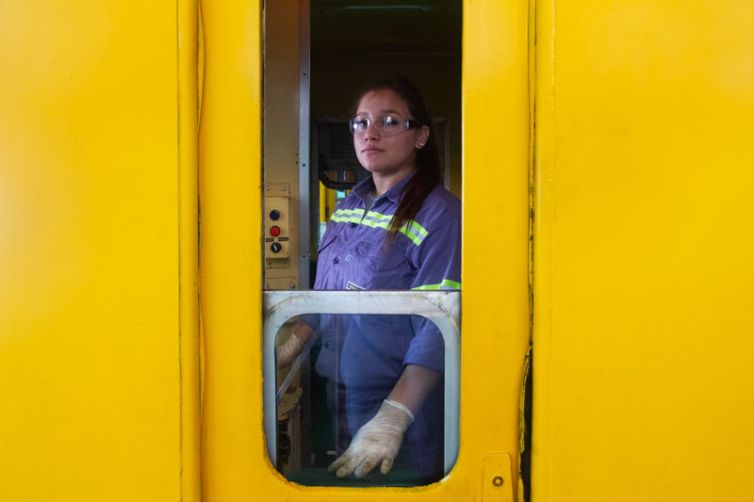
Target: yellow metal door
x=643 y=257
x=495 y=318
x=98 y=324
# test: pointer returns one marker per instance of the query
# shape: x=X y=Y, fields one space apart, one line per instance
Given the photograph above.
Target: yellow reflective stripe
x=445 y=284
x=407 y=232
x=347 y=215
x=380 y=216
x=418 y=230
x=373 y=219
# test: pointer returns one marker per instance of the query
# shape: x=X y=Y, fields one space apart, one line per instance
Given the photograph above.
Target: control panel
x=277 y=226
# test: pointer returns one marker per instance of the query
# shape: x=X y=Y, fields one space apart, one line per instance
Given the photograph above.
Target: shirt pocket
x=379 y=259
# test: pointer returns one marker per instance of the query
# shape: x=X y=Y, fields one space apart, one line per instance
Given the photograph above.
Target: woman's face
x=386 y=154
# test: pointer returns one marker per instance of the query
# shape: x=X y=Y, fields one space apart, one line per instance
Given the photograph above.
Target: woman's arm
x=379 y=440
x=413 y=386
x=290 y=349
x=438 y=263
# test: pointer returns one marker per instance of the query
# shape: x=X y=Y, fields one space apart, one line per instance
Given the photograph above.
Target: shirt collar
x=365 y=187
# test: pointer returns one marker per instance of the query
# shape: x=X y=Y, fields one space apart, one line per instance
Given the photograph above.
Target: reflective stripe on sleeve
x=445 y=284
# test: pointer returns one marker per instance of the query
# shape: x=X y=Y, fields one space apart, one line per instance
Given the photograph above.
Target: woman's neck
x=384 y=182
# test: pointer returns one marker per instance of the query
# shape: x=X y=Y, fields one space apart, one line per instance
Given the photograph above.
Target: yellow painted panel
x=90 y=373
x=495 y=326
x=495 y=302
x=231 y=266
x=643 y=290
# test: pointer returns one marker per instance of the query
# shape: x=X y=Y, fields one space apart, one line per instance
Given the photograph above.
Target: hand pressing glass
x=377 y=442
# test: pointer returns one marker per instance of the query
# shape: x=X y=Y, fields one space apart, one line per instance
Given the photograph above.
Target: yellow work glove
x=377 y=442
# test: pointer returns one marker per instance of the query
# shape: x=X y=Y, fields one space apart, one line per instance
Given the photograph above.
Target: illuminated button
x=276 y=247
x=274 y=215
x=274 y=230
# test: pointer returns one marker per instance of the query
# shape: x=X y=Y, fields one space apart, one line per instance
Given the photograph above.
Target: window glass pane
x=333 y=380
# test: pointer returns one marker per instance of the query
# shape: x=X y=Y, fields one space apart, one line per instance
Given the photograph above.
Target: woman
x=399 y=229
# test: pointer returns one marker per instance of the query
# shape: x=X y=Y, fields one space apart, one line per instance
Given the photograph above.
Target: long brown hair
x=427 y=175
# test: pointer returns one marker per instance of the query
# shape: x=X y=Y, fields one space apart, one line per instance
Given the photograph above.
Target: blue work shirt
x=368 y=353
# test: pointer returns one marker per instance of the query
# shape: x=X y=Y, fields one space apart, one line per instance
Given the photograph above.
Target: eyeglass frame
x=407 y=124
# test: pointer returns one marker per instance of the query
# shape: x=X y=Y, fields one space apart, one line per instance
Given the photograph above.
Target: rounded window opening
x=361 y=379
x=340 y=417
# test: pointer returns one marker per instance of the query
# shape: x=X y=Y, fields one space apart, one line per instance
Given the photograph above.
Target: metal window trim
x=441 y=307
x=304 y=174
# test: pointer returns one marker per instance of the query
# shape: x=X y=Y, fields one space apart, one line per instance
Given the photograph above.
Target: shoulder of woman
x=440 y=207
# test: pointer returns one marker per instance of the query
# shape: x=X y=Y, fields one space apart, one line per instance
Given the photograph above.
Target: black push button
x=274 y=215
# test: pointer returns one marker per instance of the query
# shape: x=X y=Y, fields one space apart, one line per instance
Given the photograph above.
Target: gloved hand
x=378 y=441
x=289 y=350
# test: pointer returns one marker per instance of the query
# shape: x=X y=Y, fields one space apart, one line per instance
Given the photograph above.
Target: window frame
x=441 y=307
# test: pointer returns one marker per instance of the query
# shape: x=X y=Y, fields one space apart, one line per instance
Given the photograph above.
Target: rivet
x=497 y=481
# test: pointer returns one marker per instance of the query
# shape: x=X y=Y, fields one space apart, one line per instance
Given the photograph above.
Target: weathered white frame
x=441 y=307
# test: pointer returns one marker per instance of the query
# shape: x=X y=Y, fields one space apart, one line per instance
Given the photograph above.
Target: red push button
x=274 y=230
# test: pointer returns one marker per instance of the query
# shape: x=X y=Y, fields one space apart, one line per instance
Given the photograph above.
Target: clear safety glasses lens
x=388 y=125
